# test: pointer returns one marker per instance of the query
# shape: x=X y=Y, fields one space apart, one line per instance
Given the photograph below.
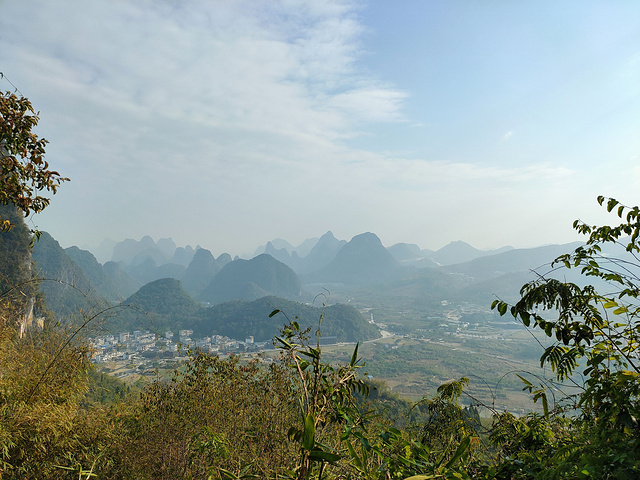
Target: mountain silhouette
x=405 y=251
x=200 y=272
x=363 y=260
x=322 y=254
x=251 y=279
x=164 y=296
x=461 y=252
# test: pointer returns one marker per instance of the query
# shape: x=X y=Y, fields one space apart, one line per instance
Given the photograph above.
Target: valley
x=422 y=318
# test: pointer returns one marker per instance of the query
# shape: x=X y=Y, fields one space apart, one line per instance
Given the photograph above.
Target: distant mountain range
x=492 y=266
x=176 y=284
x=202 y=269
x=319 y=253
x=146 y=260
x=79 y=283
x=281 y=270
x=461 y=252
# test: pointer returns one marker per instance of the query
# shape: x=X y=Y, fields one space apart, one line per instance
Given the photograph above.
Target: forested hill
x=164 y=305
x=66 y=288
x=238 y=319
x=158 y=306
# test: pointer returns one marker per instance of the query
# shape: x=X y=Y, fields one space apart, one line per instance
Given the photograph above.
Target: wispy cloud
x=195 y=97
x=284 y=68
x=370 y=104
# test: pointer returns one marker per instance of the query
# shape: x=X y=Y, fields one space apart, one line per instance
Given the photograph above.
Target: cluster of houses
x=128 y=345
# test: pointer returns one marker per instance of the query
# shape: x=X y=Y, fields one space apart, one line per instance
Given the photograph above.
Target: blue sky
x=230 y=123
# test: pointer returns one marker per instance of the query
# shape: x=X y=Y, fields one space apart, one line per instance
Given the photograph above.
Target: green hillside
x=94 y=273
x=159 y=305
x=66 y=289
x=237 y=319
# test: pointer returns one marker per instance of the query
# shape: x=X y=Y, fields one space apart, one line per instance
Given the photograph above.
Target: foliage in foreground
x=600 y=330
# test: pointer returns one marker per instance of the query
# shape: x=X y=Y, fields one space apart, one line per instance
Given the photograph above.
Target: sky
x=229 y=123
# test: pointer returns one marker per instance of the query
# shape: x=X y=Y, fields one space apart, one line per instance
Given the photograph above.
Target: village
x=131 y=354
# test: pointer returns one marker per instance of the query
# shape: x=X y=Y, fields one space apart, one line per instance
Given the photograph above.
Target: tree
x=601 y=331
x=25 y=173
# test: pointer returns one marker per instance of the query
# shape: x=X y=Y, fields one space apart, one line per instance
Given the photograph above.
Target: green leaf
x=464 y=445
x=274 y=313
x=354 y=456
x=317 y=454
x=525 y=381
x=620 y=310
x=309 y=432
x=284 y=343
x=354 y=357
x=626 y=375
x=545 y=404
x=312 y=352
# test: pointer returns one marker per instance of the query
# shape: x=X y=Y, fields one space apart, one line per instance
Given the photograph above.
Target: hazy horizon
x=98 y=250
x=231 y=123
